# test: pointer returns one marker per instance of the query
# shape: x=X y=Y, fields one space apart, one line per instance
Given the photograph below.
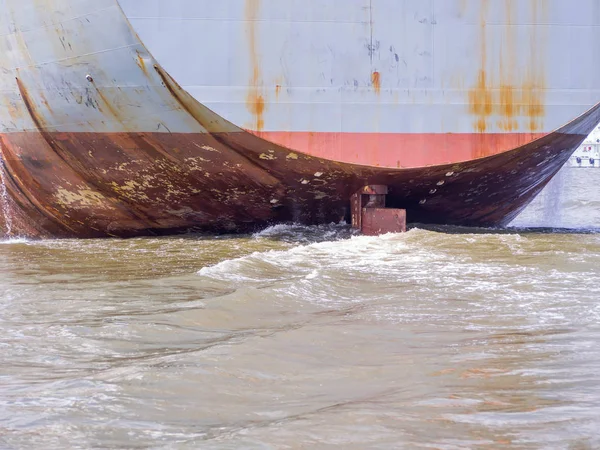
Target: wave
x=14 y=240
x=305 y=234
x=390 y=257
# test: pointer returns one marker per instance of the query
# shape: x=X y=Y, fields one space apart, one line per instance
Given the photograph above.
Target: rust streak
x=26 y=193
x=66 y=157
x=139 y=60
x=255 y=101
x=535 y=84
x=508 y=107
x=37 y=119
x=178 y=94
x=376 y=81
x=480 y=97
x=172 y=86
x=480 y=102
x=109 y=105
x=516 y=100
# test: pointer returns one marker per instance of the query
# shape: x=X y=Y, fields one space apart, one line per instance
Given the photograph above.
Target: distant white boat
x=588 y=153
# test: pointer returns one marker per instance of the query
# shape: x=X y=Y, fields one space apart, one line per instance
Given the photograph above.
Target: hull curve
x=97 y=140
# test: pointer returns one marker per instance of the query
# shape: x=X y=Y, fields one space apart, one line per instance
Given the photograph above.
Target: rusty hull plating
x=132 y=184
x=75 y=161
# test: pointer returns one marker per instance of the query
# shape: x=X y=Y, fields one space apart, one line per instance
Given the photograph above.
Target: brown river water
x=301 y=337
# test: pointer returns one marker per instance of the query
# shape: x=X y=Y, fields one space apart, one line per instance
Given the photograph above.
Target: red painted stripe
x=400 y=150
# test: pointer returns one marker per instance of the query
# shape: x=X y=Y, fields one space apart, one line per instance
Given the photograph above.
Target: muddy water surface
x=309 y=337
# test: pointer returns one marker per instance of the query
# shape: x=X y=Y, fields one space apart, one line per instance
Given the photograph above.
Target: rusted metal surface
x=355 y=211
x=97 y=139
x=371 y=217
x=377 y=221
x=373 y=196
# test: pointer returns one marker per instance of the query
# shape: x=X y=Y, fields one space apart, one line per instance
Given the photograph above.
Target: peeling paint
x=131 y=190
x=82 y=198
x=208 y=148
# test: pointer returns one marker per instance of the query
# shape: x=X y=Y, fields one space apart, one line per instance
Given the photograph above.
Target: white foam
x=16 y=240
x=308 y=261
x=305 y=233
x=275 y=230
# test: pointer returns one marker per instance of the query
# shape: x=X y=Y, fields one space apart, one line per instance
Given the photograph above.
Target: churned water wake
x=11 y=241
x=411 y=264
x=286 y=339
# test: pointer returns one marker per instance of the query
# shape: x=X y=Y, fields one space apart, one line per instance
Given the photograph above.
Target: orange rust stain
x=376 y=81
x=139 y=60
x=514 y=99
x=277 y=90
x=38 y=119
x=257 y=108
x=508 y=108
x=507 y=101
x=45 y=101
x=535 y=84
x=255 y=100
x=108 y=105
x=480 y=97
x=480 y=102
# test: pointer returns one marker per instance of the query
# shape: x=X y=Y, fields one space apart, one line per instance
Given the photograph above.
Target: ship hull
x=97 y=139
x=123 y=185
